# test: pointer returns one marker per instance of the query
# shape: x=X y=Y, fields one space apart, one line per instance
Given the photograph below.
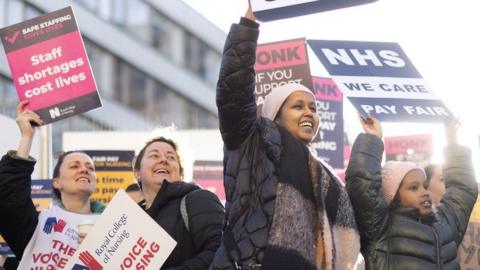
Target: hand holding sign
x=249 y=15
x=451 y=131
x=372 y=126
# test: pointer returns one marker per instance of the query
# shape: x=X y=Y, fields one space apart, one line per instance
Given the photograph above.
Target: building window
x=8 y=97
x=102 y=67
x=13 y=12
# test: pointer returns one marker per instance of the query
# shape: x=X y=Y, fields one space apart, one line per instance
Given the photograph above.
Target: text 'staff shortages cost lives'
x=49 y=65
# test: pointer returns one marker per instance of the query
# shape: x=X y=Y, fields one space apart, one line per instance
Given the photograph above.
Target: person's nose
x=84 y=169
x=163 y=159
x=307 y=112
x=426 y=193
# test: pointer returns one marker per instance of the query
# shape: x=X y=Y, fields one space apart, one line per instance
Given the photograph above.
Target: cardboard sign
x=280 y=63
x=380 y=80
x=414 y=148
x=114 y=172
x=124 y=237
x=49 y=65
x=269 y=10
x=329 y=141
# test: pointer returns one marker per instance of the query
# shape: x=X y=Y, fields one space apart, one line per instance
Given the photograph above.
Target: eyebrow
x=155 y=150
x=78 y=162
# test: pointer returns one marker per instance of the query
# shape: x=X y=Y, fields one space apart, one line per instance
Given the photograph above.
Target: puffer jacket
x=251 y=155
x=400 y=238
x=196 y=246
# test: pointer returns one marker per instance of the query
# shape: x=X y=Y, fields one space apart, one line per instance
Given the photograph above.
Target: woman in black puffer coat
x=285 y=208
x=399 y=228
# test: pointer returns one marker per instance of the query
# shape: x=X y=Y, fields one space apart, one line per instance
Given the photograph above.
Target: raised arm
x=237 y=110
x=364 y=180
x=461 y=186
x=19 y=216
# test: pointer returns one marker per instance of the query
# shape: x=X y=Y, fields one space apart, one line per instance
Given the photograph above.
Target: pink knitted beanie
x=393 y=173
x=275 y=99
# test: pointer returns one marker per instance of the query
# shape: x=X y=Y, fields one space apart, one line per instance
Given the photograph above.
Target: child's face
x=437 y=185
x=413 y=193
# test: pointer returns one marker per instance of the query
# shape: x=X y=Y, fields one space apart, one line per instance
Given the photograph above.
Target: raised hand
x=451 y=131
x=90 y=261
x=24 y=119
x=51 y=221
x=371 y=125
x=249 y=14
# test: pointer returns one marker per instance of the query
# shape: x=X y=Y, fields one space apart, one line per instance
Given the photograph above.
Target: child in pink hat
x=399 y=228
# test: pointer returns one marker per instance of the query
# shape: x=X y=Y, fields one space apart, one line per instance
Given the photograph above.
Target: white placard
x=124 y=237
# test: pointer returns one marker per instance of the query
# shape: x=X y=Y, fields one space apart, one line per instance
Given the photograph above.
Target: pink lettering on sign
x=140 y=255
x=326 y=89
x=281 y=54
x=51 y=71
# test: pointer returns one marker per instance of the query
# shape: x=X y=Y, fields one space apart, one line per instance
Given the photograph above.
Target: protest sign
x=123 y=237
x=414 y=148
x=380 y=80
x=329 y=141
x=269 y=10
x=280 y=63
x=208 y=174
x=114 y=171
x=49 y=65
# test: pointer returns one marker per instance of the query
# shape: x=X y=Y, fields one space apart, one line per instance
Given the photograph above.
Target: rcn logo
x=52 y=223
x=13 y=38
x=89 y=261
x=55 y=112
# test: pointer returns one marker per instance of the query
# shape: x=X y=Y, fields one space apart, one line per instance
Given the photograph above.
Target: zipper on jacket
x=437 y=245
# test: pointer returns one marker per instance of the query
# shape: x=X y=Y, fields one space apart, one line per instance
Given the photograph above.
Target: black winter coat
x=400 y=239
x=195 y=247
x=251 y=154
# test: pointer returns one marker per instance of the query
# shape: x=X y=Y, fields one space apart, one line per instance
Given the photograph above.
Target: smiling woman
x=28 y=232
x=192 y=216
x=271 y=177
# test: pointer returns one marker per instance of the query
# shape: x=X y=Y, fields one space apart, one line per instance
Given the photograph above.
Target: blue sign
x=380 y=80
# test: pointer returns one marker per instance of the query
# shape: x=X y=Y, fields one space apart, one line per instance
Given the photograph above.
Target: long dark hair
x=138 y=159
x=56 y=169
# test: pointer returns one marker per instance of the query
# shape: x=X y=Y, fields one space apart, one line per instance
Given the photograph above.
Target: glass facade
x=123 y=83
x=154 y=29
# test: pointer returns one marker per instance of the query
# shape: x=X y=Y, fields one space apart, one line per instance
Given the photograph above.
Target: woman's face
x=413 y=192
x=76 y=175
x=437 y=185
x=299 y=116
x=159 y=163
